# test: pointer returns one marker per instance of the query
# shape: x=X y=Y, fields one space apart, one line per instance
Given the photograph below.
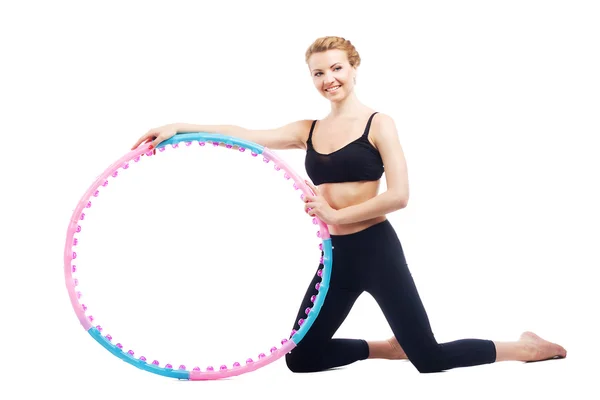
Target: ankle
x=515 y=351
x=380 y=349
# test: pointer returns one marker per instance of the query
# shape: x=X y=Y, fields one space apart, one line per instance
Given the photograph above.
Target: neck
x=350 y=106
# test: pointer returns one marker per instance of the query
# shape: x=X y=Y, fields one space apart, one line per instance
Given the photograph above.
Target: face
x=332 y=74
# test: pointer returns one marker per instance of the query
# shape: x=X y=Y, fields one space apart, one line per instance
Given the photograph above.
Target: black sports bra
x=357 y=161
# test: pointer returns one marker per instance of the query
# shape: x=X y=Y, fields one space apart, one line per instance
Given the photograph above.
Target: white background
x=203 y=254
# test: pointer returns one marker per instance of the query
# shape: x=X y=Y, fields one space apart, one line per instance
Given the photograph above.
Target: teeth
x=333 y=89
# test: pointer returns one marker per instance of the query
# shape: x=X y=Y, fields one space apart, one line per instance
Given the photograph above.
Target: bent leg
x=392 y=286
x=317 y=351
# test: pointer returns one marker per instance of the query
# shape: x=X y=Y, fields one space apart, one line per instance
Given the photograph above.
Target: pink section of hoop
x=242 y=369
x=300 y=182
x=72 y=229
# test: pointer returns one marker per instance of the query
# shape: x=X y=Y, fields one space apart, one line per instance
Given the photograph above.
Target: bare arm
x=385 y=136
x=290 y=136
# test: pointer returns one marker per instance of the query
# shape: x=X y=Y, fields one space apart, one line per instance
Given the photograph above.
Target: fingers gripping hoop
x=181 y=372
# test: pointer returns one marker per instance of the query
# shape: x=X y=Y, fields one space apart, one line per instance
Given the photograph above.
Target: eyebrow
x=317 y=69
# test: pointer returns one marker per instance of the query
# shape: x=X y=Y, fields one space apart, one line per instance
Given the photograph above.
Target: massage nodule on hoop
x=97 y=332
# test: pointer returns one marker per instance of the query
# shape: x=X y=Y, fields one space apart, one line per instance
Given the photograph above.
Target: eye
x=338 y=68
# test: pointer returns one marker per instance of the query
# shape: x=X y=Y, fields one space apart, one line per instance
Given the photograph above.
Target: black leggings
x=372 y=260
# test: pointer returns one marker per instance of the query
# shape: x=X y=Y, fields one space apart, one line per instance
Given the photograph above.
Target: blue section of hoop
x=212 y=137
x=171 y=373
x=323 y=289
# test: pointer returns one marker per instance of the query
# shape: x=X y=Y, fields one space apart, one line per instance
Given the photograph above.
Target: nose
x=329 y=78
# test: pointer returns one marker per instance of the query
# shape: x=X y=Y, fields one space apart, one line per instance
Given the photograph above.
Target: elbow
x=401 y=200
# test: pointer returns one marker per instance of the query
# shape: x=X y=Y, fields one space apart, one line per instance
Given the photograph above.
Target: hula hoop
x=106 y=340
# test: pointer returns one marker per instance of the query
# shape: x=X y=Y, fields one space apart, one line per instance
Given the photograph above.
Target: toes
x=562 y=353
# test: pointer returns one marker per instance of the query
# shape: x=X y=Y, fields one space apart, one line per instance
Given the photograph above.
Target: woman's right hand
x=157 y=135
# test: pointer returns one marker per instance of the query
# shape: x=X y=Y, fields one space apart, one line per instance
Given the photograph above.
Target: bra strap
x=309 y=140
x=368 y=127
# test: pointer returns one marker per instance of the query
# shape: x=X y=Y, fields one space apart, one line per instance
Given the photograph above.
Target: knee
x=429 y=361
x=296 y=363
x=428 y=367
x=300 y=360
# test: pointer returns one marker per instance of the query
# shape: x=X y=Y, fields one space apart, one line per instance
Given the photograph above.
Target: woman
x=346 y=155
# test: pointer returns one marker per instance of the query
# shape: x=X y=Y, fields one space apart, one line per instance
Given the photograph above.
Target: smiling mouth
x=333 y=89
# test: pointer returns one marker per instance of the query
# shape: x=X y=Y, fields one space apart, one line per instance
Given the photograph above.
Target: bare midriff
x=346 y=194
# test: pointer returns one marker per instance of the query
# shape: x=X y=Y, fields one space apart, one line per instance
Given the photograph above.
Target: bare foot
x=397 y=353
x=542 y=349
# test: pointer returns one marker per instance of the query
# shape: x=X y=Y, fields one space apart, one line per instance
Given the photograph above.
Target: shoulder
x=383 y=121
x=383 y=129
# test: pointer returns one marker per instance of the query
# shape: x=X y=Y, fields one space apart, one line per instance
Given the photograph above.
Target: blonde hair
x=325 y=43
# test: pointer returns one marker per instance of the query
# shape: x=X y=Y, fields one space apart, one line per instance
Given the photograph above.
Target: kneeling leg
x=317 y=351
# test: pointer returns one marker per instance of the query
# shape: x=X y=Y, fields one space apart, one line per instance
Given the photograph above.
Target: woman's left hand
x=317 y=206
